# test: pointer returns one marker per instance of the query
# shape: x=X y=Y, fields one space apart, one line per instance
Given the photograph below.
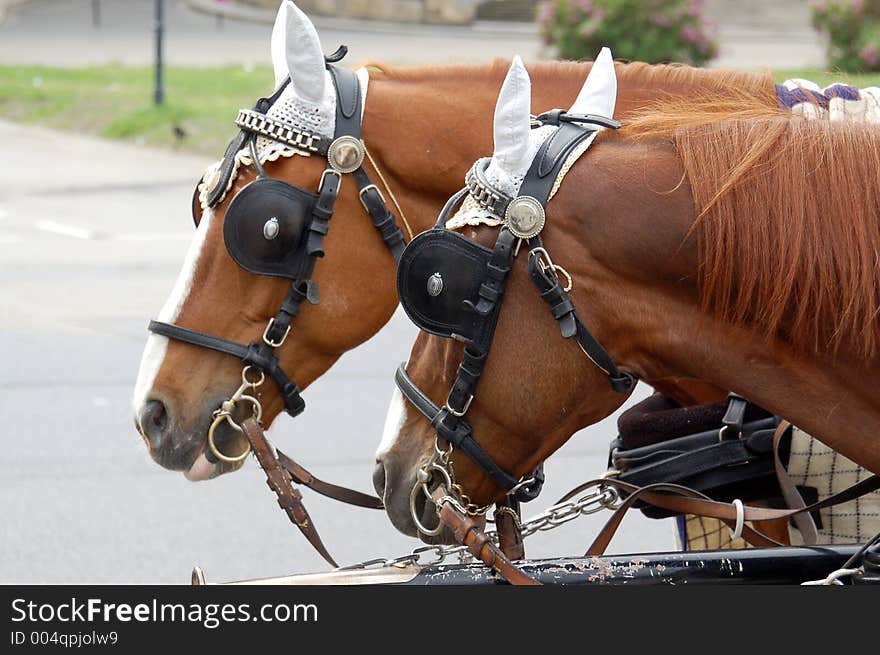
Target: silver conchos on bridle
x=524 y=217
x=435 y=284
x=346 y=154
x=271 y=229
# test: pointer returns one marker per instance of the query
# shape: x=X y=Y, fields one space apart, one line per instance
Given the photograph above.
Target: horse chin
x=204 y=469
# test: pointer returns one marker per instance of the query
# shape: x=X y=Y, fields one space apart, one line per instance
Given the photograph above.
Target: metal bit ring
x=223 y=416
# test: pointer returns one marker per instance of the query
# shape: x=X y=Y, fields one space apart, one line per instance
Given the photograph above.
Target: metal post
x=96 y=13
x=159 y=95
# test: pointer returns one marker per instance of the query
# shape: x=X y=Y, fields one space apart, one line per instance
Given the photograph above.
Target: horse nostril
x=379 y=479
x=154 y=422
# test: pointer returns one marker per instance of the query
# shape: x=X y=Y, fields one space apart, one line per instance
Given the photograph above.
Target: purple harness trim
x=790 y=98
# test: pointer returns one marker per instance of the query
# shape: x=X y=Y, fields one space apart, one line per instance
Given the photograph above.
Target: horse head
x=532 y=381
x=263 y=259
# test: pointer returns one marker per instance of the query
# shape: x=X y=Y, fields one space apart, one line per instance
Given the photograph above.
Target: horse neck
x=426 y=126
x=637 y=289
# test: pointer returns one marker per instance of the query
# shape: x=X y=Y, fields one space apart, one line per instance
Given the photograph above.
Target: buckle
x=324 y=174
x=367 y=188
x=266 y=338
x=456 y=413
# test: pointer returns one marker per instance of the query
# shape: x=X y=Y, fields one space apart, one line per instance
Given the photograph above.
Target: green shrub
x=654 y=31
x=853 y=31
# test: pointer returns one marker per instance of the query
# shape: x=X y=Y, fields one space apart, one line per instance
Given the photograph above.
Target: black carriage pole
x=159 y=95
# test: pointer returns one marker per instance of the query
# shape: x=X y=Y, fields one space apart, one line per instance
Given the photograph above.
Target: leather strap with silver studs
x=271 y=128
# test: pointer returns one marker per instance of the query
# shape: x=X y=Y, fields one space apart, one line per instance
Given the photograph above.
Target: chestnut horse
x=715 y=239
x=423 y=126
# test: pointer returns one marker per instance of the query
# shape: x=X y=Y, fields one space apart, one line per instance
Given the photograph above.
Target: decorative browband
x=487 y=196
x=254 y=121
x=523 y=215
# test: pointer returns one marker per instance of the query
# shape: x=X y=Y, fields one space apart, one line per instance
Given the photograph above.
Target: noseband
x=275 y=228
x=432 y=265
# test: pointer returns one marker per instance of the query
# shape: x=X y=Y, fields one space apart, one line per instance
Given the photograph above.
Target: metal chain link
x=589 y=502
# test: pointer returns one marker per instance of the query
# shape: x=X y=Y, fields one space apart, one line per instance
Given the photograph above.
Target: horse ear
x=305 y=58
x=598 y=95
x=512 y=117
x=279 y=44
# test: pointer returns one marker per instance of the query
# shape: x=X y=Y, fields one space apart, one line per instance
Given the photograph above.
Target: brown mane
x=788 y=217
x=657 y=76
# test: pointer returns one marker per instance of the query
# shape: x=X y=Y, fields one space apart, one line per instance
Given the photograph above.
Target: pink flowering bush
x=653 y=31
x=853 y=31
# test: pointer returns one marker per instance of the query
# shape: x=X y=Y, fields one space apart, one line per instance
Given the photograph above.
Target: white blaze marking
x=393 y=422
x=154 y=352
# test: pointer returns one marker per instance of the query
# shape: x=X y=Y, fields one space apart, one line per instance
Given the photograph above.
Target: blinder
x=264 y=227
x=439 y=279
x=196 y=205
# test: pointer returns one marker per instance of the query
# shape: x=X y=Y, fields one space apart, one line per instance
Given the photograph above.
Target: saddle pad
x=810 y=464
x=813 y=464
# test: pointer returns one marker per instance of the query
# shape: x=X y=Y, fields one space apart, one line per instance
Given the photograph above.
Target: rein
x=345 y=155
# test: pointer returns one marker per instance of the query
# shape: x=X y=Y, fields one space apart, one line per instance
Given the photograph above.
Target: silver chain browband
x=254 y=121
x=485 y=195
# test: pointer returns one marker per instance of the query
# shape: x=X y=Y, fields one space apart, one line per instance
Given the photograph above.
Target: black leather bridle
x=345 y=154
x=449 y=420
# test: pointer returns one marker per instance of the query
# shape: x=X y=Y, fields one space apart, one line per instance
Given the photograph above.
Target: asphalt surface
x=92 y=234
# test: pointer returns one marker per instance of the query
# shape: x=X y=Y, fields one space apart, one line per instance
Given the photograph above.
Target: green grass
x=116 y=101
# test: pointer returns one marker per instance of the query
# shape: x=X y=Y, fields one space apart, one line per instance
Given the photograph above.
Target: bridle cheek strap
x=570 y=324
x=458 y=433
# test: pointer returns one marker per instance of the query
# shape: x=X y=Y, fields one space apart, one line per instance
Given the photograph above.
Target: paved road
x=92 y=236
x=753 y=34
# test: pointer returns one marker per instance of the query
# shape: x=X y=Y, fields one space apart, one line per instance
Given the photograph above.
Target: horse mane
x=787 y=217
x=658 y=76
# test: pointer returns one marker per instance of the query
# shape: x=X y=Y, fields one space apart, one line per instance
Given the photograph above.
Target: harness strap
x=279 y=481
x=459 y=435
x=553 y=293
x=304 y=477
x=383 y=220
x=257 y=354
x=804 y=522
x=682 y=500
x=508 y=523
x=321 y=214
x=468 y=532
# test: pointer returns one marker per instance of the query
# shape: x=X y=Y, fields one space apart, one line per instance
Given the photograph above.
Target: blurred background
x=98 y=167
